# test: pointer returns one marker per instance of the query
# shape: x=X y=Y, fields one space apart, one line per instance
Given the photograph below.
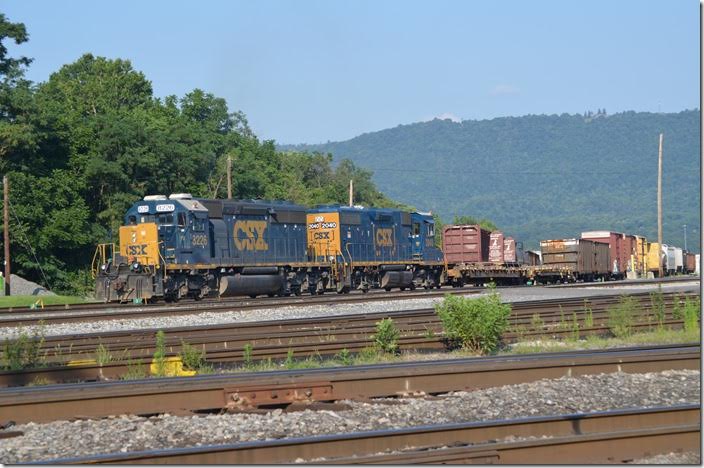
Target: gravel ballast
x=62 y=439
x=325 y=310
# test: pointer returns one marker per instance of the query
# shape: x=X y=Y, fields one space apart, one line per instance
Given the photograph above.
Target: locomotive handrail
x=100 y=257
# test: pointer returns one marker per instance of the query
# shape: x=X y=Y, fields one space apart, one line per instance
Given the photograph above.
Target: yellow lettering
x=252 y=235
x=384 y=237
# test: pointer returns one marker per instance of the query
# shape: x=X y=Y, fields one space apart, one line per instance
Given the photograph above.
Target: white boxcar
x=696 y=267
x=669 y=256
x=679 y=259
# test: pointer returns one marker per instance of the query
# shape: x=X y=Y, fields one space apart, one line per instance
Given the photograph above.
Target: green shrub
x=622 y=316
x=386 y=336
x=192 y=358
x=475 y=324
x=23 y=352
x=345 y=357
x=160 y=354
x=692 y=312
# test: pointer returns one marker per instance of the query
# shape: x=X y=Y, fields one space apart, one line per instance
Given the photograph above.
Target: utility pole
x=351 y=193
x=660 y=205
x=685 y=236
x=229 y=177
x=6 y=219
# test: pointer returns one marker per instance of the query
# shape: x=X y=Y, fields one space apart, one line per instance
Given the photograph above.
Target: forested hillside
x=542 y=176
x=83 y=146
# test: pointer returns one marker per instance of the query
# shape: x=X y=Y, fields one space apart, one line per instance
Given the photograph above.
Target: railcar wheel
x=253 y=296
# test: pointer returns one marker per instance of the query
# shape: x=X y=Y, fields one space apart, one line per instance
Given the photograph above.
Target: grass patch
x=26 y=301
x=658 y=336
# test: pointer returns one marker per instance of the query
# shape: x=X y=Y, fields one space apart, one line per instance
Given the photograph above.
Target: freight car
x=574 y=259
x=179 y=247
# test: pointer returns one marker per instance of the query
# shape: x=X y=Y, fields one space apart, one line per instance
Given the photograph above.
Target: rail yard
x=254 y=405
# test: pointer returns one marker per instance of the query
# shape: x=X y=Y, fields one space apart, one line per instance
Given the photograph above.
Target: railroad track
x=33 y=317
x=238 y=392
x=616 y=436
x=421 y=330
x=90 y=312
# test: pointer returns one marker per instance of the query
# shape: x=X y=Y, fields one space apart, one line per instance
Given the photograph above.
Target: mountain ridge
x=541 y=176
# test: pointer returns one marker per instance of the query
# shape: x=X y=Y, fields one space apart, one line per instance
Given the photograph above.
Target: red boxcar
x=496 y=247
x=465 y=244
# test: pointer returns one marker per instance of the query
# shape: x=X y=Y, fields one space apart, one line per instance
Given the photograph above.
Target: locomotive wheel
x=253 y=296
x=402 y=288
x=387 y=289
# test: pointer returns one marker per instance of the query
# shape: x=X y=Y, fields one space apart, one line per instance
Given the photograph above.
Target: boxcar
x=586 y=259
x=465 y=244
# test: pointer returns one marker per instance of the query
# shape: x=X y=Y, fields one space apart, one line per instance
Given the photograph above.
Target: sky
x=309 y=71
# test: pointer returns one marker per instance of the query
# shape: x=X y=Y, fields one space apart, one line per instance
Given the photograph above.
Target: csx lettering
x=321 y=235
x=253 y=235
x=137 y=249
x=384 y=237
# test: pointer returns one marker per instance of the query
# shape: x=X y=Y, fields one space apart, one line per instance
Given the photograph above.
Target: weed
x=575 y=327
x=657 y=304
x=386 y=336
x=692 y=312
x=289 y=363
x=38 y=380
x=621 y=316
x=345 y=357
x=476 y=324
x=368 y=354
x=678 y=308
x=159 y=358
x=24 y=352
x=588 y=315
x=429 y=333
x=247 y=355
x=135 y=370
x=191 y=357
x=536 y=322
x=102 y=355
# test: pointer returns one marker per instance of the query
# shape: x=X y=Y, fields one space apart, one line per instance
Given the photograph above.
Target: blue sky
x=311 y=71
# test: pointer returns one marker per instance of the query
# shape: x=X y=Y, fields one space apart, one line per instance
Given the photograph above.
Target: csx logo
x=140 y=249
x=384 y=237
x=321 y=235
x=253 y=232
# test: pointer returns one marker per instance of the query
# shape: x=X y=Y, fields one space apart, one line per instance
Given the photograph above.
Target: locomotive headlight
x=104 y=266
x=135 y=266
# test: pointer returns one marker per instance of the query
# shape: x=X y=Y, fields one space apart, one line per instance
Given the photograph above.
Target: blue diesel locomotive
x=179 y=247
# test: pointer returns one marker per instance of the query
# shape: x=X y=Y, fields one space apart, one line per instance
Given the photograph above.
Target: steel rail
x=421 y=330
x=98 y=311
x=598 y=437
x=245 y=390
